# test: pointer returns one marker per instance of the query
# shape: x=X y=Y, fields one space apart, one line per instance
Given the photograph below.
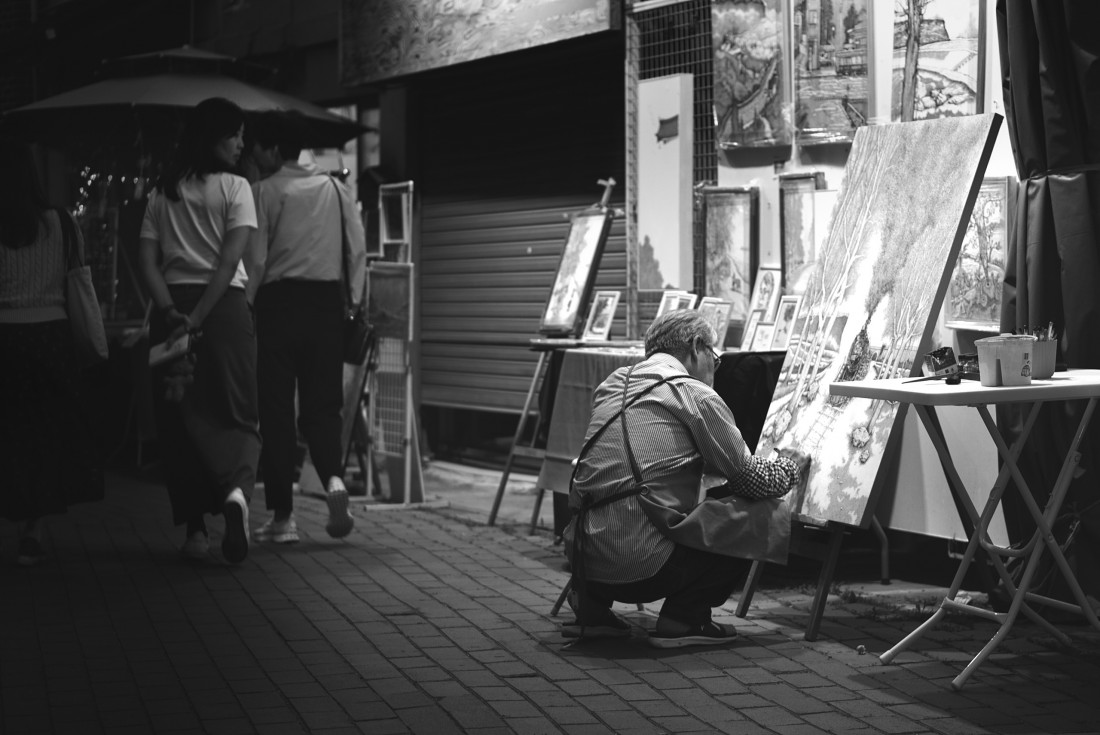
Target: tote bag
x=85 y=318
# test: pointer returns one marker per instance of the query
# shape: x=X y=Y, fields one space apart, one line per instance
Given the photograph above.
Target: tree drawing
x=912 y=12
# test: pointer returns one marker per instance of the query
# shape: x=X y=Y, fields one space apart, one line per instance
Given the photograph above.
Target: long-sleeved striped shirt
x=677 y=431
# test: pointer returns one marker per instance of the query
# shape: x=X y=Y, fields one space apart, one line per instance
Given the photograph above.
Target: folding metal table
x=924 y=396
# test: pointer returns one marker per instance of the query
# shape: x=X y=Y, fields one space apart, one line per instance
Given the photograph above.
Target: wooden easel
x=546 y=348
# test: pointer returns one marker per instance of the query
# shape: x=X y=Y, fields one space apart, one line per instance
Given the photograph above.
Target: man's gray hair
x=675 y=332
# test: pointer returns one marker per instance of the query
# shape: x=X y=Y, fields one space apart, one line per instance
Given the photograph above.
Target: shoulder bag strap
x=346 y=267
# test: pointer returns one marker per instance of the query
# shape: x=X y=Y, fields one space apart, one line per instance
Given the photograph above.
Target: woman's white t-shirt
x=192 y=230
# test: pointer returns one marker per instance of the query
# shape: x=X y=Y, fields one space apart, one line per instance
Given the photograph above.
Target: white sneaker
x=281 y=532
x=197 y=546
x=340 y=522
x=235 y=541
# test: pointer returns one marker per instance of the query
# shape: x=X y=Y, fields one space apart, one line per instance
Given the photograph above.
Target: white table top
x=1063 y=386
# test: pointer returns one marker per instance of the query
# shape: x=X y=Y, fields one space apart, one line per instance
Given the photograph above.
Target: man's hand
x=802 y=461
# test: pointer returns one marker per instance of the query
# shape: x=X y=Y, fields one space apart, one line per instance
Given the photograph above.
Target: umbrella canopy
x=119 y=109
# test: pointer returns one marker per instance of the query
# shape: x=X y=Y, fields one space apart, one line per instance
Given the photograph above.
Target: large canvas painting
x=752 y=95
x=731 y=221
x=576 y=274
x=870 y=302
x=939 y=51
x=974 y=293
x=832 y=54
x=665 y=135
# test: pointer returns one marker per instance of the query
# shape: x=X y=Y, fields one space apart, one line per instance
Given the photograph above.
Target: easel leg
x=515 y=439
x=755 y=572
x=824 y=582
x=539 y=491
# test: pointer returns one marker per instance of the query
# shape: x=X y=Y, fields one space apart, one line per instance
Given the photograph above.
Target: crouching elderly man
x=643 y=529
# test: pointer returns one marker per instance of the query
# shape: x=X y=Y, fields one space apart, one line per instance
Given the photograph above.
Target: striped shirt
x=677 y=431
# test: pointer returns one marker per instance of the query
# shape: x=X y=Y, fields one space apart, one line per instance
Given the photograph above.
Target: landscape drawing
x=937 y=68
x=974 y=293
x=730 y=242
x=831 y=63
x=870 y=301
x=752 y=96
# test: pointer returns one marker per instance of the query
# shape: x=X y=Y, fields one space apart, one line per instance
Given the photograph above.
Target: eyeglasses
x=716 y=355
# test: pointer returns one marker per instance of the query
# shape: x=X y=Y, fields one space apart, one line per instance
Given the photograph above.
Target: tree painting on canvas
x=870 y=302
x=752 y=96
x=938 y=64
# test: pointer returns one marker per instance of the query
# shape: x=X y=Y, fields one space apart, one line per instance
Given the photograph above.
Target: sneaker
x=235 y=541
x=340 y=522
x=610 y=627
x=197 y=546
x=704 y=634
x=30 y=552
x=281 y=532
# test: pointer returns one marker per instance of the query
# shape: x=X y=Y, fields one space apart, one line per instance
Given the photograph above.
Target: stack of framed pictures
x=771 y=322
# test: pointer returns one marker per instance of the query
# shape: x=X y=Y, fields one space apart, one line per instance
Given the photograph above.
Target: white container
x=1005 y=360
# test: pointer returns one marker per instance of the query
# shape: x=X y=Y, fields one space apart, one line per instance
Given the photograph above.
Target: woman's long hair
x=211 y=121
x=22 y=204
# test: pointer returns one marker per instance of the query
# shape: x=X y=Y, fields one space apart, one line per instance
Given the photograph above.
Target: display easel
x=562 y=325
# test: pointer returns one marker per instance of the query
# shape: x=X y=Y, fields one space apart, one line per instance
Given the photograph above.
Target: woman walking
x=196 y=226
x=49 y=458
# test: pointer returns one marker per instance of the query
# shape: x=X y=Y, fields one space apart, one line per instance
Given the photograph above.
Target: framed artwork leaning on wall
x=600 y=316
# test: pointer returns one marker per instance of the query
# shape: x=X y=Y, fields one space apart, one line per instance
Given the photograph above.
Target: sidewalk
x=429 y=621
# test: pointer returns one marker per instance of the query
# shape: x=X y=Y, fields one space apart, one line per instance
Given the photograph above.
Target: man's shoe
x=281 y=532
x=704 y=634
x=340 y=522
x=609 y=627
x=235 y=541
x=196 y=547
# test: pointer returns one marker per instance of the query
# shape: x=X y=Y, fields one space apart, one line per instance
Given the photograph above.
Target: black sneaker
x=709 y=633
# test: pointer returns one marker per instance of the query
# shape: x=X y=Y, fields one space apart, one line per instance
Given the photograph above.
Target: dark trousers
x=209 y=441
x=691 y=582
x=299 y=328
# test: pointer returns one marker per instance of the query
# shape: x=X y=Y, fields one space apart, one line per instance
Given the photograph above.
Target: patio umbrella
x=116 y=110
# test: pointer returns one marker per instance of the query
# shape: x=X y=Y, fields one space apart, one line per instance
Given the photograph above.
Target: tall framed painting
x=752 y=91
x=664 y=143
x=832 y=57
x=731 y=216
x=870 y=305
x=973 y=298
x=938 y=65
x=568 y=300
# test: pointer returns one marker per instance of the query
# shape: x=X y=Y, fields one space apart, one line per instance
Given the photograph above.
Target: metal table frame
x=924 y=396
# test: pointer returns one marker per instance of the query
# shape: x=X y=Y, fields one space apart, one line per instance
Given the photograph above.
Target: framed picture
x=601 y=315
x=686 y=301
x=395 y=218
x=717 y=313
x=766 y=291
x=750 y=329
x=939 y=59
x=798 y=236
x=732 y=232
x=674 y=301
x=576 y=274
x=973 y=298
x=832 y=58
x=752 y=90
x=762 y=337
x=785 y=317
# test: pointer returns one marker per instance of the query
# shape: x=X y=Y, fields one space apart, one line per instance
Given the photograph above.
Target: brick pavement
x=423 y=621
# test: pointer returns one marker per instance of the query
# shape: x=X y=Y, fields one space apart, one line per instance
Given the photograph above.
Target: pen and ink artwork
x=870 y=304
x=717 y=312
x=785 y=317
x=749 y=334
x=665 y=178
x=766 y=291
x=600 y=316
x=731 y=216
x=974 y=292
x=832 y=56
x=752 y=94
x=939 y=59
x=576 y=273
x=762 y=337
